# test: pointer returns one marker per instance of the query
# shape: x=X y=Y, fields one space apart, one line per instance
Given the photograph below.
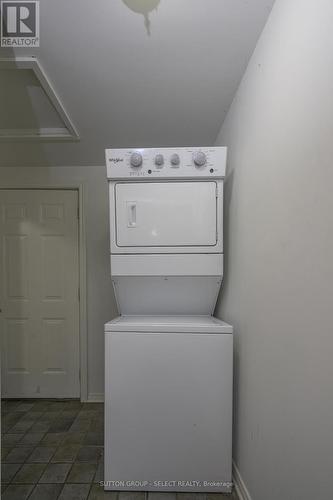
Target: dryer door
x=166 y=214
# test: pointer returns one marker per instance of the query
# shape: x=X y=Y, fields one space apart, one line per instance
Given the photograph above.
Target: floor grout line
x=88 y=424
x=94 y=425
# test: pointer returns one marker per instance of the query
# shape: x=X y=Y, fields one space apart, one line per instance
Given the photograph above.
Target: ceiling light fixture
x=143 y=7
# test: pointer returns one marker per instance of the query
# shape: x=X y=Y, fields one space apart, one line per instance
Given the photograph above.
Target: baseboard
x=95 y=397
x=241 y=489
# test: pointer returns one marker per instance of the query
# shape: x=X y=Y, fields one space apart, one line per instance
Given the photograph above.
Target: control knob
x=136 y=159
x=159 y=160
x=199 y=159
x=175 y=160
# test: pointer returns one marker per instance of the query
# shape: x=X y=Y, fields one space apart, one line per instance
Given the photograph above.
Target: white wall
x=279 y=256
x=101 y=305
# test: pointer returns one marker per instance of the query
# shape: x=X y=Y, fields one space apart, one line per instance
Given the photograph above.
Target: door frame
x=83 y=326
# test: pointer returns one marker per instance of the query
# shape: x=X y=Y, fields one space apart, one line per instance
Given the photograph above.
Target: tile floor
x=53 y=449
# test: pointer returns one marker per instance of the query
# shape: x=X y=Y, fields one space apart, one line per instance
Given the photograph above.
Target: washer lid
x=168 y=324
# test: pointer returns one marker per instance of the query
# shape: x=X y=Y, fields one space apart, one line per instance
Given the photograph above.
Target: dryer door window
x=170 y=214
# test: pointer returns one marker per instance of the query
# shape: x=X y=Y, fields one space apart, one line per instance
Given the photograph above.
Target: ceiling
x=128 y=77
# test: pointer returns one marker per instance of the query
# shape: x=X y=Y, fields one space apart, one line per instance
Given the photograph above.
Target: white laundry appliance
x=168 y=361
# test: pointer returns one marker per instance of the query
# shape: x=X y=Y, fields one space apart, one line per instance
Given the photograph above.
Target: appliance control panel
x=171 y=163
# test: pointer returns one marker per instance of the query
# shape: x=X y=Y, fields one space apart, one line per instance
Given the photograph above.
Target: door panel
x=166 y=214
x=16 y=253
x=53 y=267
x=17 y=344
x=39 y=293
x=54 y=340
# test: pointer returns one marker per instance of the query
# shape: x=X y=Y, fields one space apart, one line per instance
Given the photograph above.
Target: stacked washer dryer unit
x=168 y=361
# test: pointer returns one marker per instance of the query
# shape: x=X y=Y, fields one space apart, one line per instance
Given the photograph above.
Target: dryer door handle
x=131 y=214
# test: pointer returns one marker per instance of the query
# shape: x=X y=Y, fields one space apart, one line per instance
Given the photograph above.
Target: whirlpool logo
x=19 y=24
x=116 y=160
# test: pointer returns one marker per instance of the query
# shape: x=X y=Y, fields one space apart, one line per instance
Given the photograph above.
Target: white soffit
x=29 y=106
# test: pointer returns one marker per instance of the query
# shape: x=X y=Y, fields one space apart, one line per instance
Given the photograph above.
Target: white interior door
x=39 y=293
x=166 y=214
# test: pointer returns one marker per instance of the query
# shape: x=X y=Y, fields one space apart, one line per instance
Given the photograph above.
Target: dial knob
x=175 y=160
x=136 y=160
x=199 y=159
x=159 y=160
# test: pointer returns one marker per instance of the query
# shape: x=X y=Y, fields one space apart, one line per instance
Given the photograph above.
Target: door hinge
x=78 y=212
x=78 y=293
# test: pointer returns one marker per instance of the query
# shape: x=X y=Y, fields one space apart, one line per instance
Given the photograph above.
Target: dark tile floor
x=53 y=449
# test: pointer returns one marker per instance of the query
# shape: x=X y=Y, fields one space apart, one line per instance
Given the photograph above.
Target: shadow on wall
x=228 y=189
x=143 y=7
